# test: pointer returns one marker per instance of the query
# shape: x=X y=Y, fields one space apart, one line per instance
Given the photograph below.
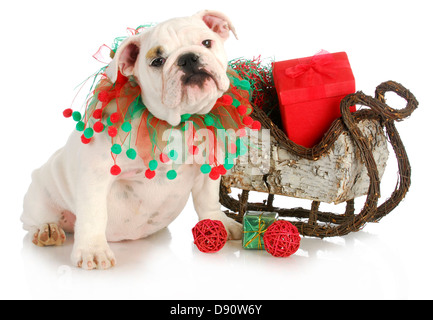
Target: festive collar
x=231 y=111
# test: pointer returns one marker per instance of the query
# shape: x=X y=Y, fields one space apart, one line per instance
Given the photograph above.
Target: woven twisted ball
x=209 y=235
x=282 y=239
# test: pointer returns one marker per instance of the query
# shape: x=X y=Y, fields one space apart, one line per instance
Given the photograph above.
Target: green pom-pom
x=236 y=103
x=153 y=164
x=208 y=120
x=185 y=127
x=245 y=85
x=126 y=127
x=205 y=169
x=185 y=117
x=242 y=84
x=228 y=165
x=171 y=175
x=76 y=116
x=116 y=148
x=131 y=154
x=80 y=126
x=173 y=155
x=88 y=133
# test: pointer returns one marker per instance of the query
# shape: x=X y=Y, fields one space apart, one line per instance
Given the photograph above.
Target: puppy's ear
x=125 y=58
x=218 y=23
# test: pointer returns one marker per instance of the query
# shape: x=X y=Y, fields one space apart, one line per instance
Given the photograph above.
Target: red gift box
x=310 y=91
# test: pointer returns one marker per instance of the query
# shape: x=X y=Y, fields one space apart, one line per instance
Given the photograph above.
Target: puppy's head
x=179 y=64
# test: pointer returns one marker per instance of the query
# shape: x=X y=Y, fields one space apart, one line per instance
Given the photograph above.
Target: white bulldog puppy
x=180 y=66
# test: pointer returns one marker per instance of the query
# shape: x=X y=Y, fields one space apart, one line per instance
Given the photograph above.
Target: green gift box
x=255 y=225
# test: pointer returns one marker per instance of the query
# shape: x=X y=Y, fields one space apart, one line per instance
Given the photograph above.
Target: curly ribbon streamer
x=105 y=53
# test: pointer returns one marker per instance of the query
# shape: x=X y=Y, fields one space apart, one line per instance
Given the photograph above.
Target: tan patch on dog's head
x=154 y=53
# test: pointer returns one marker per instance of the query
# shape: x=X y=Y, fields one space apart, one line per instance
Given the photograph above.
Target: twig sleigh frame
x=364 y=131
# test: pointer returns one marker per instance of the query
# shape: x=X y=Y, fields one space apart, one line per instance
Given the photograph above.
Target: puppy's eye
x=158 y=62
x=207 y=43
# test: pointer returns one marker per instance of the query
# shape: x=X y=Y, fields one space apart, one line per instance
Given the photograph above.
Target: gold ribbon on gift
x=262 y=229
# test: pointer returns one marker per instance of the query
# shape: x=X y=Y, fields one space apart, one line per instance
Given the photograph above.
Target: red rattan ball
x=209 y=235
x=282 y=239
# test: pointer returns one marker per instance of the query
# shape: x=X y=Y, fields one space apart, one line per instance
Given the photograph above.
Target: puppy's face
x=180 y=64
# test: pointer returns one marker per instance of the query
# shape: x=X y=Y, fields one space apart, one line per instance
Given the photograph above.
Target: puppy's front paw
x=234 y=229
x=93 y=256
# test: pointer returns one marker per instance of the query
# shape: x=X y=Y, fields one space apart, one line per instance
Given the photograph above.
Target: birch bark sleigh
x=348 y=162
x=337 y=176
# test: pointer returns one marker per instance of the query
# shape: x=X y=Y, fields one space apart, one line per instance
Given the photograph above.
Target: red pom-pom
x=281 y=239
x=150 y=174
x=85 y=140
x=104 y=97
x=221 y=170
x=112 y=131
x=242 y=110
x=226 y=99
x=164 y=158
x=98 y=126
x=209 y=235
x=115 y=117
x=115 y=170
x=256 y=125
x=214 y=174
x=248 y=121
x=97 y=114
x=67 y=113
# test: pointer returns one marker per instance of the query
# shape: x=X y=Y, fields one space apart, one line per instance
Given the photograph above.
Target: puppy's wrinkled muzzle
x=195 y=75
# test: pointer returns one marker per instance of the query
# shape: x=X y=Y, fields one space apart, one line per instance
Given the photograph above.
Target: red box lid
x=311 y=78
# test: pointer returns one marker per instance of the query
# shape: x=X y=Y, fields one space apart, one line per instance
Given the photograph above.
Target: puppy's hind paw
x=49 y=234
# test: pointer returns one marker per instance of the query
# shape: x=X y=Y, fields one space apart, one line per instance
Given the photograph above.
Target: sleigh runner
x=348 y=163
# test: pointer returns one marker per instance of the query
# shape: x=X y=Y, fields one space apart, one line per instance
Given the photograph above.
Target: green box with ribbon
x=255 y=225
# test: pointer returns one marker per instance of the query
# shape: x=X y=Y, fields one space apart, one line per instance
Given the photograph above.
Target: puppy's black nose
x=188 y=62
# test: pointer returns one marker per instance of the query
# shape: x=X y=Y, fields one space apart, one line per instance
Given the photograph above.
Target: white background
x=46 y=51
